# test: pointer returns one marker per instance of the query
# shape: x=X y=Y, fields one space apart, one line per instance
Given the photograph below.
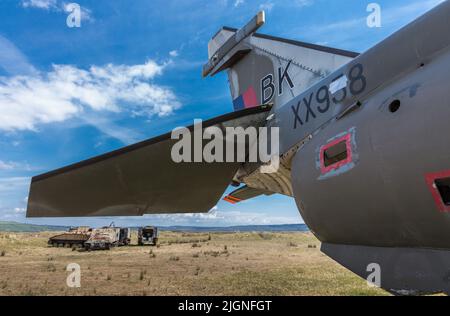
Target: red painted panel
x=250 y=98
x=430 y=179
x=337 y=165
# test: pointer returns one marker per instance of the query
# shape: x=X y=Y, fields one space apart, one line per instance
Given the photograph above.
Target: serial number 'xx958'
x=320 y=101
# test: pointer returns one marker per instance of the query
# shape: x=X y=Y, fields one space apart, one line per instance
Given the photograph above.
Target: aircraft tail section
x=263 y=69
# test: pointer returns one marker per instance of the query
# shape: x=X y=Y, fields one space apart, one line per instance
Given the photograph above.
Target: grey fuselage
x=394 y=116
x=383 y=199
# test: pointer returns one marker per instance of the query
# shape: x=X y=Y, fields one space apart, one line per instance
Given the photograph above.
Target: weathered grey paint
x=378 y=208
x=384 y=200
x=383 y=203
x=264 y=55
x=258 y=56
x=403 y=271
x=217 y=55
x=139 y=179
x=400 y=55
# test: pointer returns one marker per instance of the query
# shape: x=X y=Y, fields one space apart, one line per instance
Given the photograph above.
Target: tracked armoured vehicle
x=75 y=237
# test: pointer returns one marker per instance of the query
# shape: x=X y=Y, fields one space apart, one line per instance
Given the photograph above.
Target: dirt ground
x=194 y=264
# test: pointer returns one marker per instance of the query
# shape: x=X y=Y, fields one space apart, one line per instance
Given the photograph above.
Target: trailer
x=106 y=238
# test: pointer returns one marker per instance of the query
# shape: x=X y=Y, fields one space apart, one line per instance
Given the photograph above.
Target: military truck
x=75 y=237
x=147 y=235
x=107 y=237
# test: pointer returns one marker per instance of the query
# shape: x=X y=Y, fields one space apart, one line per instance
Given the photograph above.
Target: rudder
x=264 y=69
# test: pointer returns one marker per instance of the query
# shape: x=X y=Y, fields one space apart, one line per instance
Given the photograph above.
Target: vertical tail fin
x=265 y=69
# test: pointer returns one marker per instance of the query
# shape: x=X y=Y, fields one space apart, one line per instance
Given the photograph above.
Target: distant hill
x=248 y=228
x=28 y=228
x=20 y=227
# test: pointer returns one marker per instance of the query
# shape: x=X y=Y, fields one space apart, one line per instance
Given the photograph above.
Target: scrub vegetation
x=183 y=264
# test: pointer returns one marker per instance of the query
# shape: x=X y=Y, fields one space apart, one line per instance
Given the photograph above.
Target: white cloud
x=108 y=127
x=409 y=10
x=292 y=4
x=173 y=53
x=56 y=5
x=268 y=6
x=6 y=165
x=16 y=166
x=12 y=60
x=12 y=185
x=303 y=3
x=217 y=217
x=399 y=14
x=237 y=3
x=67 y=92
x=40 y=4
x=12 y=203
x=19 y=210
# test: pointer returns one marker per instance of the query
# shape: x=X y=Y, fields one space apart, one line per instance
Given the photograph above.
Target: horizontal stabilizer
x=244 y=193
x=138 y=179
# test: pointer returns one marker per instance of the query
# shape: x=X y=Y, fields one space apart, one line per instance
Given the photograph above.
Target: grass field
x=184 y=264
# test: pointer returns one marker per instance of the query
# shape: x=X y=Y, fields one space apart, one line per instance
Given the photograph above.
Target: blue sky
x=133 y=71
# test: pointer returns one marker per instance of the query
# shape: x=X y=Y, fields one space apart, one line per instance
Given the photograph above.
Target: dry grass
x=218 y=264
